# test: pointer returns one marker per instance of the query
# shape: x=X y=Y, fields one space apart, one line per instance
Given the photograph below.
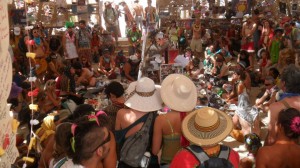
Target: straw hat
x=206 y=126
x=143 y=95
x=179 y=93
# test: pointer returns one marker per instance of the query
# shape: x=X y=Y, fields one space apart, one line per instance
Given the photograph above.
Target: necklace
x=37 y=40
x=196 y=27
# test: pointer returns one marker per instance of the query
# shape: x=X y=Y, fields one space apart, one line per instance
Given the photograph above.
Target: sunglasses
x=104 y=142
x=35 y=32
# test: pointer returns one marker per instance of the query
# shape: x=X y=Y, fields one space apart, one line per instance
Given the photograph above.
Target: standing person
x=266 y=34
x=111 y=16
x=179 y=95
x=196 y=43
x=285 y=148
x=290 y=98
x=41 y=50
x=69 y=43
x=143 y=101
x=134 y=36
x=115 y=93
x=89 y=143
x=275 y=45
x=205 y=128
x=248 y=29
x=127 y=13
x=150 y=14
x=95 y=44
x=252 y=143
x=173 y=34
x=83 y=41
x=138 y=13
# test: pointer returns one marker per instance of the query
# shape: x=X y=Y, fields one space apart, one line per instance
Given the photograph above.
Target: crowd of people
x=153 y=121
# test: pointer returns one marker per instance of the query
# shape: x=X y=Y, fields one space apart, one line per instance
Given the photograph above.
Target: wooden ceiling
x=165 y=3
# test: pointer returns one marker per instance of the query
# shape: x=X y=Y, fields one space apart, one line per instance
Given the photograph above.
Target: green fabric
x=274 y=50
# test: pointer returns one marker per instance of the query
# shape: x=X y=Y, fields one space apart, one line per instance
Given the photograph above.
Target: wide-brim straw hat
x=206 y=126
x=143 y=95
x=179 y=93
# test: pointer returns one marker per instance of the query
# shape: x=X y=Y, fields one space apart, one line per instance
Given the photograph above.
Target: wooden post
x=288 y=4
x=39 y=14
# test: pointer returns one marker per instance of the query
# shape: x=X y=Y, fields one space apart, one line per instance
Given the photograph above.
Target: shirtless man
x=285 y=151
x=85 y=76
x=290 y=82
x=138 y=13
x=248 y=30
x=150 y=12
x=196 y=44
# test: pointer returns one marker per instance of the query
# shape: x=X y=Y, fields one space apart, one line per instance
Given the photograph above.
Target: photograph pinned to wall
x=167 y=69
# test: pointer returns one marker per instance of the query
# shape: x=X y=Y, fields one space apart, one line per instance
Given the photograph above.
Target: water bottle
x=145 y=160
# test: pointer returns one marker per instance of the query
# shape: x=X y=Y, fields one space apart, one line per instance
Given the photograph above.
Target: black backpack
x=21 y=45
x=211 y=162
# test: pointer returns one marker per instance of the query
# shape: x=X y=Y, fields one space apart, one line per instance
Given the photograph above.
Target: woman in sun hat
x=180 y=95
x=142 y=99
x=205 y=128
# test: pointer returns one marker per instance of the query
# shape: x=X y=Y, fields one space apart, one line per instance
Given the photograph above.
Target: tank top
x=170 y=146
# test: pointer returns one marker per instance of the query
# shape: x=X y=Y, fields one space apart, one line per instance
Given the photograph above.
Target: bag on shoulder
x=136 y=145
x=211 y=162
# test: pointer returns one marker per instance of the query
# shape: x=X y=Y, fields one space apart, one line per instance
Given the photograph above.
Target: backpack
x=211 y=162
x=135 y=146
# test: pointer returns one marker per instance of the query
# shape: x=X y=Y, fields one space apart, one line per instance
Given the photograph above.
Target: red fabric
x=185 y=159
x=248 y=47
x=172 y=55
x=264 y=62
x=183 y=141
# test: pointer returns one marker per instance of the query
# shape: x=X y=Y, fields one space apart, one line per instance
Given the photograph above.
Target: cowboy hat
x=143 y=95
x=246 y=17
x=206 y=126
x=179 y=93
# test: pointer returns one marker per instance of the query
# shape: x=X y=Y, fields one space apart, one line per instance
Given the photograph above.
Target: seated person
x=226 y=55
x=193 y=68
x=209 y=57
x=47 y=99
x=220 y=70
x=131 y=67
x=252 y=143
x=269 y=95
x=85 y=76
x=107 y=65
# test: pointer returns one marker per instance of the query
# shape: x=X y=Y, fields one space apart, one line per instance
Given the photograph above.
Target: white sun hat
x=143 y=95
x=179 y=93
x=206 y=126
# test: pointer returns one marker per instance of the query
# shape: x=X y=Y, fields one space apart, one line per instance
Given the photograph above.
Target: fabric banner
x=9 y=152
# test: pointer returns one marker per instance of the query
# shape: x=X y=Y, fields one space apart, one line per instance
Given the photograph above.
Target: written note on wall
x=7 y=137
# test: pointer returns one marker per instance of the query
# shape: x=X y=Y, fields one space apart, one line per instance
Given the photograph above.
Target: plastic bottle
x=145 y=160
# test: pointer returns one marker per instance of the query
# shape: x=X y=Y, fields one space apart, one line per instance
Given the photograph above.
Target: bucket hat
x=143 y=95
x=179 y=93
x=206 y=126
